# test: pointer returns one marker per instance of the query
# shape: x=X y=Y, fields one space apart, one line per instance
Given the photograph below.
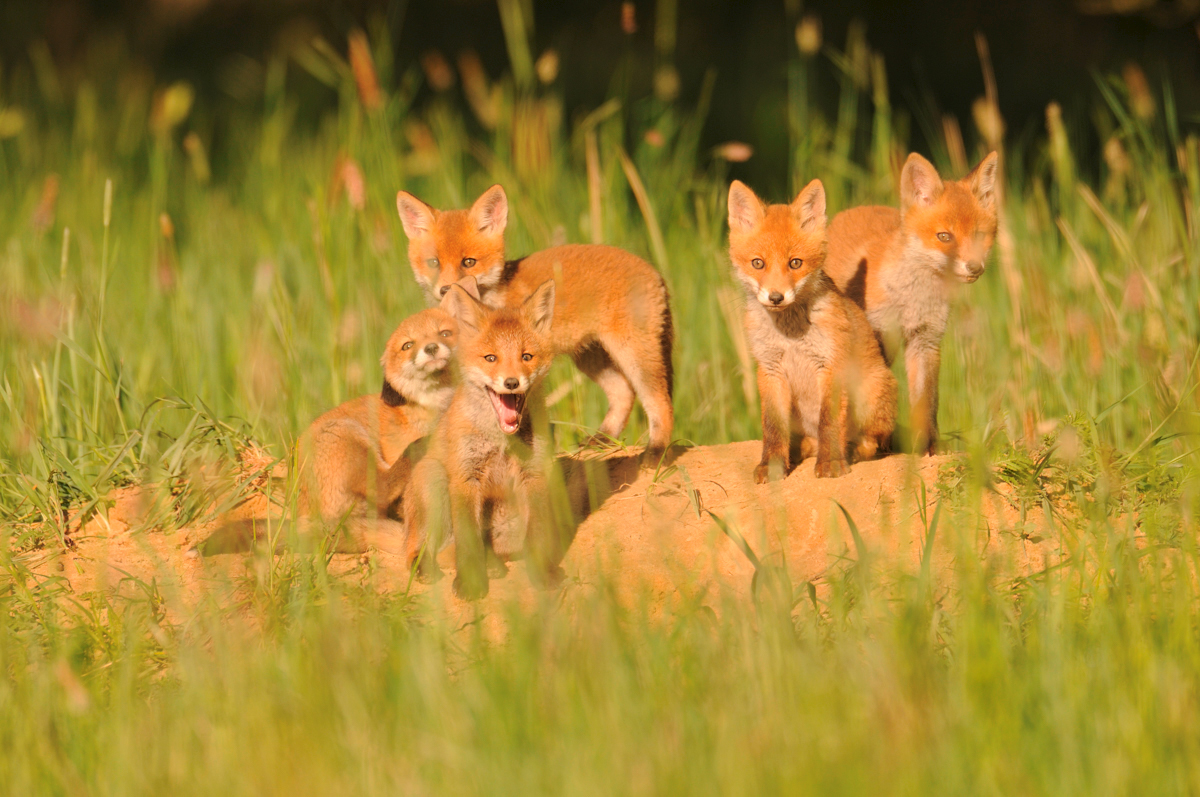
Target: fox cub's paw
x=770 y=471
x=427 y=573
x=653 y=457
x=470 y=589
x=831 y=469
x=496 y=568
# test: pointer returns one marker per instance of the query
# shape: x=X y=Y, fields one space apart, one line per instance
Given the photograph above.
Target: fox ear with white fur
x=745 y=208
x=490 y=211
x=809 y=207
x=415 y=215
x=919 y=183
x=465 y=308
x=982 y=180
x=539 y=308
x=471 y=286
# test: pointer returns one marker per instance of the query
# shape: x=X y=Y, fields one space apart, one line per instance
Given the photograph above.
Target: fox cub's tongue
x=508 y=410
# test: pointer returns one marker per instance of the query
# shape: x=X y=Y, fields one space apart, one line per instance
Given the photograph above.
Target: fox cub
x=820 y=373
x=899 y=266
x=492 y=451
x=355 y=460
x=612 y=315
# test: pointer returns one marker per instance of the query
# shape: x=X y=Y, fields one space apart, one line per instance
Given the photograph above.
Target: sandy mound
x=653 y=537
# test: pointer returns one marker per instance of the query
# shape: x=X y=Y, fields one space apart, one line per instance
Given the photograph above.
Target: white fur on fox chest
x=797 y=356
x=500 y=463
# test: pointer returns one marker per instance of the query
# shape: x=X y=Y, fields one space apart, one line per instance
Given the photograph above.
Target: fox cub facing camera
x=492 y=450
x=821 y=377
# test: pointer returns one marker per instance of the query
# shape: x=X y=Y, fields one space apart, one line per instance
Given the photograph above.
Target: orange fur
x=612 y=315
x=821 y=377
x=492 y=451
x=355 y=460
x=899 y=266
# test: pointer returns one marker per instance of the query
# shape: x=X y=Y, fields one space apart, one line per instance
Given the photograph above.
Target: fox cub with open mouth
x=821 y=376
x=492 y=451
x=612 y=315
x=354 y=461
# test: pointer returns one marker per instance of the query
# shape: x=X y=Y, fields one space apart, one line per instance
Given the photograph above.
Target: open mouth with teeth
x=509 y=408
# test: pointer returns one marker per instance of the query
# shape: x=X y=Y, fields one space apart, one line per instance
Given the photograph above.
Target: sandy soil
x=652 y=538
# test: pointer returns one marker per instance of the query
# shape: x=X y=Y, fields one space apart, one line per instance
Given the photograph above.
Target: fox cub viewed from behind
x=899 y=265
x=612 y=314
x=821 y=376
x=355 y=460
x=492 y=450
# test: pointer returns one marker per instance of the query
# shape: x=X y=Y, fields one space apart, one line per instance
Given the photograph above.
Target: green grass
x=137 y=350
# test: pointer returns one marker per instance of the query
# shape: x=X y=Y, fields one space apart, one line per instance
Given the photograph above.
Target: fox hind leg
x=650 y=377
x=600 y=368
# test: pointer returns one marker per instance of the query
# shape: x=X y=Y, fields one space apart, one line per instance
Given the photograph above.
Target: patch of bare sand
x=651 y=541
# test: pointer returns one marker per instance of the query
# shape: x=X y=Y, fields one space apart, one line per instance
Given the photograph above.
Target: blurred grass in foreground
x=242 y=272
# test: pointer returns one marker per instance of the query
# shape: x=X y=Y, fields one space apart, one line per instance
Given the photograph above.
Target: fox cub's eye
x=468 y=262
x=406 y=346
x=945 y=237
x=795 y=262
x=758 y=263
x=490 y=358
x=446 y=333
x=433 y=262
x=527 y=357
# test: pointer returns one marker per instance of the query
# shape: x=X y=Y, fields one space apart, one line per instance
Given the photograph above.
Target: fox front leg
x=543 y=540
x=922 y=362
x=831 y=428
x=776 y=398
x=470 y=558
x=426 y=510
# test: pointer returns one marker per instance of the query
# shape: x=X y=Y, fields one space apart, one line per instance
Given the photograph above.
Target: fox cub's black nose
x=512 y=384
x=445 y=289
x=431 y=349
x=775 y=297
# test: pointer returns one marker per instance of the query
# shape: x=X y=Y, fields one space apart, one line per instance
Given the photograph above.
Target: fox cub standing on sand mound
x=819 y=369
x=898 y=265
x=612 y=314
x=492 y=450
x=354 y=461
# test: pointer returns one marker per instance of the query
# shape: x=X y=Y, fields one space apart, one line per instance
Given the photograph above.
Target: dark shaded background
x=1042 y=50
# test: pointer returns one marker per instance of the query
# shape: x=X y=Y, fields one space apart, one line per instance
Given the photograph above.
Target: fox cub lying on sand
x=820 y=373
x=612 y=315
x=899 y=265
x=492 y=450
x=354 y=461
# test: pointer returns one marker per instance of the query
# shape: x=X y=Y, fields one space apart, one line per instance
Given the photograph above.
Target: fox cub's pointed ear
x=745 y=208
x=471 y=286
x=808 y=207
x=415 y=215
x=919 y=183
x=982 y=180
x=539 y=308
x=489 y=214
x=463 y=307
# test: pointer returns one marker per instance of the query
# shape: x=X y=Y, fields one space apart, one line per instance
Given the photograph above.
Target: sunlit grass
x=238 y=282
